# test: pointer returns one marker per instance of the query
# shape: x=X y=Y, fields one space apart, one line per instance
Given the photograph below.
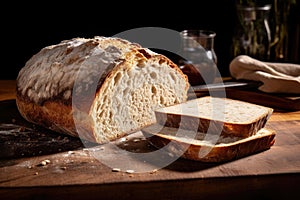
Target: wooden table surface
x=78 y=174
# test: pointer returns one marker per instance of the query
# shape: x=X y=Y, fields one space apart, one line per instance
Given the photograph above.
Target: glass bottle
x=286 y=33
x=199 y=61
x=252 y=35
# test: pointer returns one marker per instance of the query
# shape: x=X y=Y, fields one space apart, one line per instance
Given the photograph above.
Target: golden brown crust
x=203 y=125
x=233 y=152
x=225 y=127
x=205 y=152
x=61 y=121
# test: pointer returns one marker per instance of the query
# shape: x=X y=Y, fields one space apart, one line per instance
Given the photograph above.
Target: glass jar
x=199 y=61
x=252 y=35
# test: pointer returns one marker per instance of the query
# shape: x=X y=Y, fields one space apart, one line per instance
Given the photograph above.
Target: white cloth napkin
x=276 y=77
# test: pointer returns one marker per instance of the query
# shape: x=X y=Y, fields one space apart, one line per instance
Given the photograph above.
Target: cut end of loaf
x=127 y=100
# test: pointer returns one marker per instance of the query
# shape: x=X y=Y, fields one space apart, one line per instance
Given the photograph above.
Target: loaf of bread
x=99 y=89
x=216 y=115
x=208 y=148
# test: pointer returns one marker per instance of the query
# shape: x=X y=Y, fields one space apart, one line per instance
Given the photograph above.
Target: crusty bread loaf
x=207 y=148
x=117 y=85
x=217 y=115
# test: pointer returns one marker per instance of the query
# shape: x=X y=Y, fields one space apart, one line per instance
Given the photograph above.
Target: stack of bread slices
x=212 y=129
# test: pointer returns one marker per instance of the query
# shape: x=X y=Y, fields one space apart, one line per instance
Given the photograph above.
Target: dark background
x=26 y=27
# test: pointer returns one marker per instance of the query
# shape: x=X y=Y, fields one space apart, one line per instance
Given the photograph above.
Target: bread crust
x=205 y=124
x=214 y=126
x=214 y=153
x=45 y=84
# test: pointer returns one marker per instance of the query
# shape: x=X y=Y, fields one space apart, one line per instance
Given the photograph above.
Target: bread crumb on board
x=44 y=162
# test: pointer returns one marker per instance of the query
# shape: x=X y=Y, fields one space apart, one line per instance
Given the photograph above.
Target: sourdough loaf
x=208 y=148
x=216 y=115
x=117 y=85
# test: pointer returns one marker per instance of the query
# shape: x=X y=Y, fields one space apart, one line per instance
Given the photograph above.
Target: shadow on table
x=19 y=138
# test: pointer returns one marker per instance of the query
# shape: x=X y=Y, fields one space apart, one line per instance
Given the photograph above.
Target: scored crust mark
x=50 y=73
x=116 y=85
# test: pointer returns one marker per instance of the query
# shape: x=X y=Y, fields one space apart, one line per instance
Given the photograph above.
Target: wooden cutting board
x=23 y=142
x=247 y=91
x=74 y=170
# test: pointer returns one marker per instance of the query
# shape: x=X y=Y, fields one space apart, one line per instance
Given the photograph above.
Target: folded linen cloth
x=275 y=77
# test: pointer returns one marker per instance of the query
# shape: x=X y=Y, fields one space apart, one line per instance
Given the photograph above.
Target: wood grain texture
x=81 y=167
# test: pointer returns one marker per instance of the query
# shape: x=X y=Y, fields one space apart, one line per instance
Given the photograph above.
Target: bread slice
x=216 y=115
x=207 y=147
x=99 y=89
